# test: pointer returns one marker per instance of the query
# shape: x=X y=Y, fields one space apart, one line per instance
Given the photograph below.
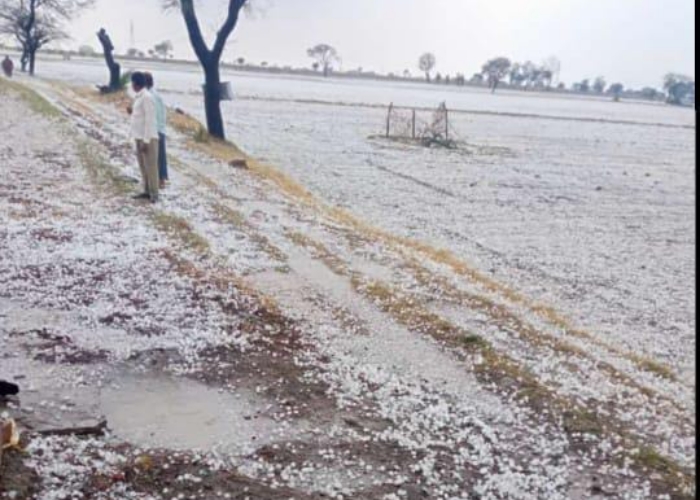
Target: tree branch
x=234 y=8
x=194 y=31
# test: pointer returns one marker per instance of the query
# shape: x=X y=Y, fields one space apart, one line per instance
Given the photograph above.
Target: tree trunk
x=115 y=76
x=212 y=100
x=210 y=59
x=32 y=61
x=114 y=67
x=31 y=43
x=24 y=60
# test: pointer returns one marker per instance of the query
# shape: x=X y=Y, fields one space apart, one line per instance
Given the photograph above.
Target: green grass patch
x=37 y=102
x=471 y=340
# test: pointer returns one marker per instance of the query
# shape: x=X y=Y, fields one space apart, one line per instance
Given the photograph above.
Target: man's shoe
x=141 y=196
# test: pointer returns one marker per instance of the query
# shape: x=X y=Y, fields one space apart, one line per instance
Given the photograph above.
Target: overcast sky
x=632 y=41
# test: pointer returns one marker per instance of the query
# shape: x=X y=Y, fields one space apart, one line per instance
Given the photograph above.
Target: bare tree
x=113 y=66
x=325 y=56
x=553 y=64
x=36 y=23
x=426 y=63
x=495 y=70
x=210 y=57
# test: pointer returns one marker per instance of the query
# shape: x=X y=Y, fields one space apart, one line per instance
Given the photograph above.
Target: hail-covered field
x=584 y=204
x=513 y=318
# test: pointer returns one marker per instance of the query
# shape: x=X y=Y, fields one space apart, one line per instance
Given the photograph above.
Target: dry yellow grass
x=319 y=251
x=461 y=268
x=180 y=229
x=227 y=152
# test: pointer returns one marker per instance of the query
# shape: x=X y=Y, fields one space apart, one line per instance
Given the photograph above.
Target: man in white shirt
x=161 y=121
x=144 y=130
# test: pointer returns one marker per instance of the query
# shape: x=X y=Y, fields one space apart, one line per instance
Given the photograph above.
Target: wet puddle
x=145 y=408
x=155 y=411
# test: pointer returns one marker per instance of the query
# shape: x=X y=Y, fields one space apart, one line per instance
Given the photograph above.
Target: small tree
x=553 y=65
x=495 y=70
x=426 y=63
x=163 y=49
x=240 y=61
x=325 y=56
x=210 y=57
x=650 y=93
x=36 y=23
x=546 y=78
x=583 y=86
x=616 y=90
x=86 y=50
x=599 y=85
x=678 y=87
x=516 y=75
x=529 y=72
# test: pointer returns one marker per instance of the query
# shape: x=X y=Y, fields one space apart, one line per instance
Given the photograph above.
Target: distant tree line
x=678 y=89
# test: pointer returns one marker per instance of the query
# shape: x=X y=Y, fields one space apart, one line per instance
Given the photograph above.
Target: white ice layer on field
x=447 y=410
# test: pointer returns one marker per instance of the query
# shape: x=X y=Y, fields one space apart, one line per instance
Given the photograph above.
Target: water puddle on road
x=159 y=412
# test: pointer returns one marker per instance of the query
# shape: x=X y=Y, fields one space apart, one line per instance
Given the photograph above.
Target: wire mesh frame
x=404 y=122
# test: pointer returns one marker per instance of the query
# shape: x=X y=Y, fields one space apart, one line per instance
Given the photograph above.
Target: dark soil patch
x=185 y=476
x=51 y=347
x=16 y=478
x=48 y=234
